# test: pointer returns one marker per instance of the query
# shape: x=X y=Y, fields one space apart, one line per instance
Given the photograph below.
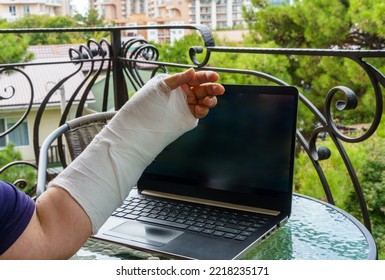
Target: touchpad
x=144 y=233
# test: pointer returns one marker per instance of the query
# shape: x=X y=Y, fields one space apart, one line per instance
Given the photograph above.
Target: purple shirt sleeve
x=16 y=210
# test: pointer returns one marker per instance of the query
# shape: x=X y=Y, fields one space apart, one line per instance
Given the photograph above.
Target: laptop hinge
x=212 y=203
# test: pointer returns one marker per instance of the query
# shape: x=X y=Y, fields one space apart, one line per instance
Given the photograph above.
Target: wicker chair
x=79 y=133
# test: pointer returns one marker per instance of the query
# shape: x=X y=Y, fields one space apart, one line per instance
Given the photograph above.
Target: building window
x=26 y=9
x=19 y=136
x=12 y=10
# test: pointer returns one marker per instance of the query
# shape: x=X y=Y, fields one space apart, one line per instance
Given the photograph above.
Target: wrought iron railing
x=122 y=61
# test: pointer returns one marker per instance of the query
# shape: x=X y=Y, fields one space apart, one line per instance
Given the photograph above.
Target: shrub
x=18 y=172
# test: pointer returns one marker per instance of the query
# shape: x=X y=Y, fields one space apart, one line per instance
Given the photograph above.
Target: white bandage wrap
x=103 y=175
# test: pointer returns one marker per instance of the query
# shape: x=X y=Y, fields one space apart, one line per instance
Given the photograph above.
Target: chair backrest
x=83 y=129
x=79 y=133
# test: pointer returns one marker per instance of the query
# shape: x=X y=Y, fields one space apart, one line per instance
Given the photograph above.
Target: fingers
x=200 y=112
x=200 y=87
x=202 y=106
x=208 y=90
x=191 y=78
x=202 y=95
x=179 y=79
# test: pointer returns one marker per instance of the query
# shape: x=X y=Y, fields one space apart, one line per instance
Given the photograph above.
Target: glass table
x=316 y=230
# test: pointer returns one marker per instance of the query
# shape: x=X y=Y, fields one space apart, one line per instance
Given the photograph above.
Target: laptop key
x=199 y=224
x=209 y=226
x=247 y=233
x=195 y=228
x=218 y=233
x=239 y=227
x=130 y=216
x=228 y=230
x=119 y=214
x=229 y=235
x=208 y=231
x=240 y=237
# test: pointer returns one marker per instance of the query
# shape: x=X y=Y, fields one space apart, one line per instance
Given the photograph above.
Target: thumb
x=176 y=80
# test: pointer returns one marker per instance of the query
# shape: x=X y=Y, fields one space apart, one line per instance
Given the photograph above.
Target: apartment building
x=122 y=12
x=214 y=13
x=167 y=12
x=15 y=9
x=217 y=14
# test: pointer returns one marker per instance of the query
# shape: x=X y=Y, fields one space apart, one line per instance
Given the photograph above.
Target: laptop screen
x=241 y=152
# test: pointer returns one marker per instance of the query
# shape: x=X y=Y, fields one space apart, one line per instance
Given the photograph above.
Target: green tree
x=61 y=37
x=91 y=19
x=40 y=38
x=373 y=184
x=13 y=47
x=368 y=23
x=321 y=24
x=178 y=52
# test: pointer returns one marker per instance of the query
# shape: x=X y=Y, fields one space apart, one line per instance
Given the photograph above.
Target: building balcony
x=101 y=75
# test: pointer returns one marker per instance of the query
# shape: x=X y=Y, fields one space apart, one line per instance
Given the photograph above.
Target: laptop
x=221 y=188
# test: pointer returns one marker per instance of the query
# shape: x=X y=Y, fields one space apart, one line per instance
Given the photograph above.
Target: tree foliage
x=326 y=24
x=40 y=21
x=319 y=23
x=91 y=19
x=14 y=46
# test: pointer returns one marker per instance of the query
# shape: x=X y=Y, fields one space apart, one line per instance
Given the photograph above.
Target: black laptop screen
x=244 y=145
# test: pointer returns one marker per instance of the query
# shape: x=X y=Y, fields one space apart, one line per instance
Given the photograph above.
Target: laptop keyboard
x=208 y=220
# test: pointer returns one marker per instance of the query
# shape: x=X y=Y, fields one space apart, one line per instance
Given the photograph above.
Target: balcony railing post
x=119 y=84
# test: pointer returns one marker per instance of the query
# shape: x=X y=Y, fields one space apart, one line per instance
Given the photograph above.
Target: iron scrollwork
x=10 y=92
